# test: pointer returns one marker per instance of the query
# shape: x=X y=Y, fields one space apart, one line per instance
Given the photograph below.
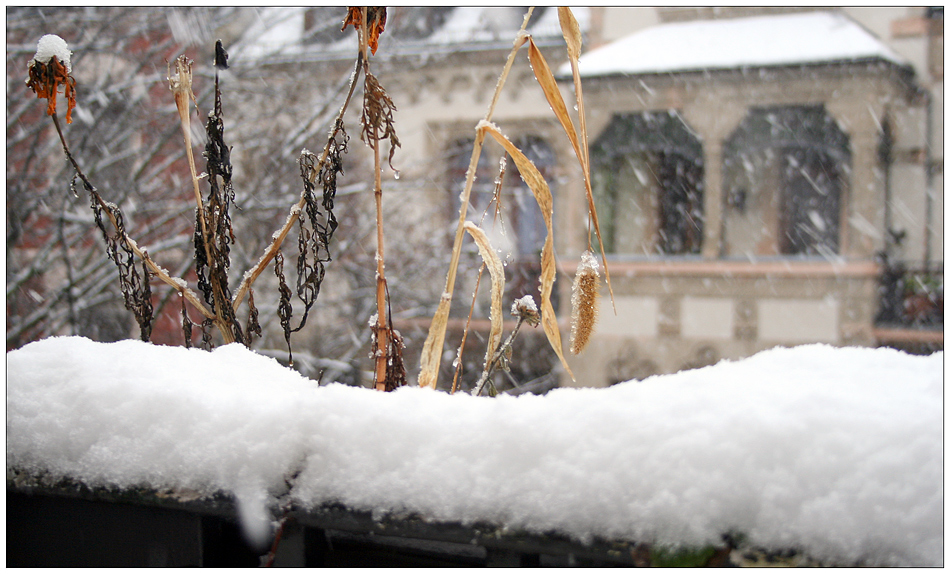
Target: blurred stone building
x=763 y=176
x=766 y=177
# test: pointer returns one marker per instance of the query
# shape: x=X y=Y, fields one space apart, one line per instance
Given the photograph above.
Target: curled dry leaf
x=542 y=194
x=497 y=271
x=377 y=117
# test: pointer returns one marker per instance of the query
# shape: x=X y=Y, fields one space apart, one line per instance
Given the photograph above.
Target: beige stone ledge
x=907 y=336
x=776 y=268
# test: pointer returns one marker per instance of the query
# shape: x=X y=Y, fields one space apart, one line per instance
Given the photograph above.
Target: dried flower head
x=49 y=69
x=526 y=309
x=375 y=22
x=180 y=82
x=584 y=299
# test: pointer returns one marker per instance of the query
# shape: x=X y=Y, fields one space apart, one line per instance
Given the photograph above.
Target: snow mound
x=835 y=451
x=52 y=45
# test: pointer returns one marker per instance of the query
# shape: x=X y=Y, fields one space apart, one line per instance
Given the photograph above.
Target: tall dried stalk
x=180 y=85
x=432 y=348
x=377 y=121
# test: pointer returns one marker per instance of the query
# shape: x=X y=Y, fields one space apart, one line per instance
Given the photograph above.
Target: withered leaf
x=497 y=272
x=542 y=194
x=542 y=72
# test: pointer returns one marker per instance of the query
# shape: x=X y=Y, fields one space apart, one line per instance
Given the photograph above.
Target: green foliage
x=681 y=557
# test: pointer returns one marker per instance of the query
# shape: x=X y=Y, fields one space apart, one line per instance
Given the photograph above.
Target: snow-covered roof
x=781 y=40
x=492 y=23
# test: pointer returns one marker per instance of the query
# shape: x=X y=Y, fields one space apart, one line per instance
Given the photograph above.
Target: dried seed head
x=526 y=309
x=584 y=299
x=180 y=83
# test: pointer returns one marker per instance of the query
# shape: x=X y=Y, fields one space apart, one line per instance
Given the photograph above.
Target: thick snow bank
x=834 y=451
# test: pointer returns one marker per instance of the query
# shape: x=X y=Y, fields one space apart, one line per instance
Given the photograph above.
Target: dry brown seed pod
x=584 y=301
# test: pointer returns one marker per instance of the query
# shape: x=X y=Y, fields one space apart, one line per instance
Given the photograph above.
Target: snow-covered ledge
x=835 y=452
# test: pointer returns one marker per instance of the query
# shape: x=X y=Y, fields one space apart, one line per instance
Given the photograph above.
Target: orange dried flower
x=375 y=22
x=49 y=70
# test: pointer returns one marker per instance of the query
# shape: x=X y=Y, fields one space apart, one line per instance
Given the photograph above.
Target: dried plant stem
x=432 y=349
x=183 y=103
x=271 y=251
x=383 y=342
x=160 y=273
x=496 y=359
x=468 y=322
x=382 y=327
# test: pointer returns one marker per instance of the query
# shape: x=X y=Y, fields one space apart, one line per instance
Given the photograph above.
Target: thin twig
x=497 y=358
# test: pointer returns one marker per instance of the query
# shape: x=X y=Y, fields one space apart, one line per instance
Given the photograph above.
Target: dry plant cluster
x=315 y=223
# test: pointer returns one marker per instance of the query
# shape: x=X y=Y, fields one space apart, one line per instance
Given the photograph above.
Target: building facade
x=763 y=176
x=754 y=191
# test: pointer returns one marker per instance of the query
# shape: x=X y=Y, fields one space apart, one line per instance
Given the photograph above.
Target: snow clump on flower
x=52 y=45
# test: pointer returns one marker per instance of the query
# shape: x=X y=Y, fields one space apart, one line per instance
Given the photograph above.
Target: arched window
x=784 y=174
x=647 y=178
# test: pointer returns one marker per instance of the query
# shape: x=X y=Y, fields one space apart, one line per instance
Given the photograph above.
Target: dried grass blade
x=542 y=72
x=571 y=31
x=542 y=194
x=497 y=272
